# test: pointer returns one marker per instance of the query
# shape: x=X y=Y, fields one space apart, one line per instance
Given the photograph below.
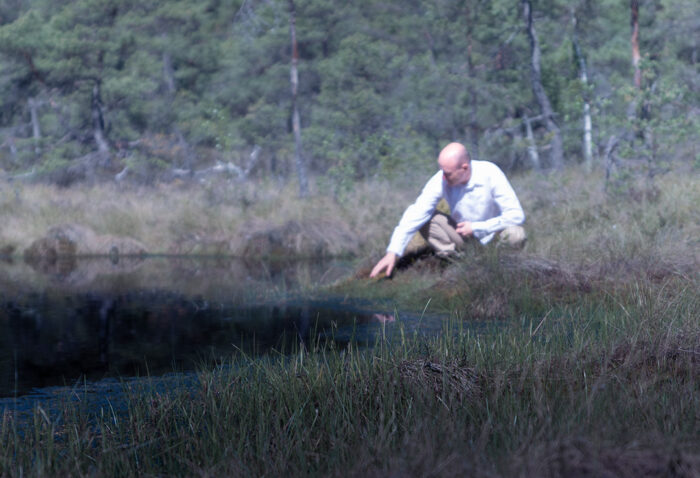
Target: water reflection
x=99 y=318
x=384 y=318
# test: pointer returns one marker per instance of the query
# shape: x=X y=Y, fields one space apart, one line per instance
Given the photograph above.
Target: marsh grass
x=569 y=216
x=591 y=366
x=607 y=384
x=192 y=218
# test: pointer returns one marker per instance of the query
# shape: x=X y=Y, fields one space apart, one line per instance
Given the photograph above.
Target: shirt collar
x=476 y=179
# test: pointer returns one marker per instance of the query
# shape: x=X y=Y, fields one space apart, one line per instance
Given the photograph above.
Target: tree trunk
x=587 y=123
x=531 y=144
x=98 y=124
x=36 y=127
x=168 y=73
x=473 y=129
x=557 y=157
x=610 y=159
x=587 y=135
x=636 y=57
x=10 y=141
x=171 y=87
x=296 y=122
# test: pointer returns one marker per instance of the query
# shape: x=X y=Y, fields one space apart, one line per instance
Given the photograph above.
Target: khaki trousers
x=441 y=235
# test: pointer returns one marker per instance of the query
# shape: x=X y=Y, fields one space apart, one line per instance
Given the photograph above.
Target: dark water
x=66 y=324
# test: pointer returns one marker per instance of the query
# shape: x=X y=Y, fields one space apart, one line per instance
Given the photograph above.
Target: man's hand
x=387 y=262
x=464 y=229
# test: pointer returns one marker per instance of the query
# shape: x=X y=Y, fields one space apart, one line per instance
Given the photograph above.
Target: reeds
x=602 y=384
x=587 y=364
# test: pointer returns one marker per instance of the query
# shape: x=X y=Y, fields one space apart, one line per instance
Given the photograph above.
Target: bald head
x=455 y=164
x=453 y=154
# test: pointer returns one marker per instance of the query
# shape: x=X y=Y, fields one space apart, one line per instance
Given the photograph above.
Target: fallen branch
x=227 y=167
x=21 y=176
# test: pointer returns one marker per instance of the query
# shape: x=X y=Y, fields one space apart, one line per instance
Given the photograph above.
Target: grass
x=569 y=217
x=591 y=366
x=190 y=218
x=612 y=378
x=202 y=218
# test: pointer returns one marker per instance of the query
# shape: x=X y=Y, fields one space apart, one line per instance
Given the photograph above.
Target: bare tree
x=557 y=156
x=296 y=122
x=33 y=105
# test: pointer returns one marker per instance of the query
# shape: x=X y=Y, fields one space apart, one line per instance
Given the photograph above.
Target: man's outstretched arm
x=387 y=262
x=413 y=218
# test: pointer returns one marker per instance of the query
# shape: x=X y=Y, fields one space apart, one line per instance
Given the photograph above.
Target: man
x=482 y=203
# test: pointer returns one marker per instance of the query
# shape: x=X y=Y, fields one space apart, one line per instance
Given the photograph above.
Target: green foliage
x=382 y=85
x=655 y=130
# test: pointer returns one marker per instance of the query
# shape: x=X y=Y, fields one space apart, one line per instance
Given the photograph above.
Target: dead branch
x=226 y=167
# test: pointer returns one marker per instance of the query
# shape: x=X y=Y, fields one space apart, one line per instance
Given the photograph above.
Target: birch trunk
x=36 y=127
x=531 y=144
x=636 y=57
x=587 y=135
x=587 y=122
x=296 y=121
x=634 y=40
x=557 y=156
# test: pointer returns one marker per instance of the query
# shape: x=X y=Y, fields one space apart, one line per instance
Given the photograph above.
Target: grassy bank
x=605 y=384
x=589 y=364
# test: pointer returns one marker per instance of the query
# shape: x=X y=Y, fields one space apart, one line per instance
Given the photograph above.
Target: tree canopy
x=176 y=85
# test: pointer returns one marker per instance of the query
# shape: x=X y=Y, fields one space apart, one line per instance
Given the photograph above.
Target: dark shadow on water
x=64 y=322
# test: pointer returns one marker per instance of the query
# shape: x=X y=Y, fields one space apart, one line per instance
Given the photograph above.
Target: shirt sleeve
x=511 y=212
x=416 y=215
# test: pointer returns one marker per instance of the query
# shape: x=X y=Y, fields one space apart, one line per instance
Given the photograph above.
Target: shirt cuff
x=480 y=229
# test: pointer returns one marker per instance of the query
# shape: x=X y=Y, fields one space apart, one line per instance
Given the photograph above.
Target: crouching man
x=482 y=202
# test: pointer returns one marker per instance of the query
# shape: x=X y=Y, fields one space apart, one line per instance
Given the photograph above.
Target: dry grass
x=176 y=219
x=569 y=216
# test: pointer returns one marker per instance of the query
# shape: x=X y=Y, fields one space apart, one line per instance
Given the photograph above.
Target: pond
x=98 y=320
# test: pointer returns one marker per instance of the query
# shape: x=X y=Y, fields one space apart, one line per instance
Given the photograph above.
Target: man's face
x=456 y=174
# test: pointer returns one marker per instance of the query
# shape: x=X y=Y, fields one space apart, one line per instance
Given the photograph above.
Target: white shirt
x=487 y=201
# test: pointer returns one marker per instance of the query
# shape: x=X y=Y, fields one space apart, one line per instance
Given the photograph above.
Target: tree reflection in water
x=154 y=316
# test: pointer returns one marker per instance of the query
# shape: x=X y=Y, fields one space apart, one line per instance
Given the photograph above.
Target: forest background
x=188 y=126
x=151 y=91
